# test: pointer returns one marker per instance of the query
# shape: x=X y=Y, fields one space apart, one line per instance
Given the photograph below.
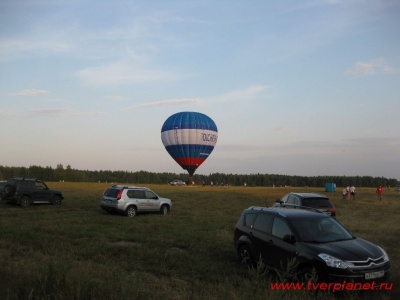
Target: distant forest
x=143 y=177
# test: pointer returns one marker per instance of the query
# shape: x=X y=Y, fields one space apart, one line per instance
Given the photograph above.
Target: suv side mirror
x=289 y=238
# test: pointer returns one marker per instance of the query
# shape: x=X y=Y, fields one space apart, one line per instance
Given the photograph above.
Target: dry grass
x=76 y=251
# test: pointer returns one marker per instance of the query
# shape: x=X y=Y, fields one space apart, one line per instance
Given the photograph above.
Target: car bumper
x=109 y=208
x=374 y=276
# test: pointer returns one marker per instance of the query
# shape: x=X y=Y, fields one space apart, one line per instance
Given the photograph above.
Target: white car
x=130 y=200
x=177 y=182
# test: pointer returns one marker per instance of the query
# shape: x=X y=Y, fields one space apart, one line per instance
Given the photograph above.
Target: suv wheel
x=245 y=256
x=131 y=211
x=9 y=190
x=25 y=201
x=164 y=210
x=56 y=200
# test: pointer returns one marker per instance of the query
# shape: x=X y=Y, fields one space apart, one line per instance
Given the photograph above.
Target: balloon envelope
x=189 y=137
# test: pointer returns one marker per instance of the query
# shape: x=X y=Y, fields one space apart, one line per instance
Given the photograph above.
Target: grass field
x=77 y=251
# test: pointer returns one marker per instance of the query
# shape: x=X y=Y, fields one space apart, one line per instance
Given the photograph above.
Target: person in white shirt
x=344 y=193
x=353 y=192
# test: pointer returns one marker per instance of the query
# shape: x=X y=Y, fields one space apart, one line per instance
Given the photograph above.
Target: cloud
x=115 y=98
x=238 y=95
x=376 y=66
x=246 y=94
x=170 y=102
x=4 y=114
x=121 y=74
x=357 y=147
x=60 y=112
x=12 y=47
x=243 y=95
x=55 y=100
x=31 y=92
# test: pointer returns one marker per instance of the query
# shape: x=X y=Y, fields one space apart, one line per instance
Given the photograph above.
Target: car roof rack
x=258 y=208
x=129 y=186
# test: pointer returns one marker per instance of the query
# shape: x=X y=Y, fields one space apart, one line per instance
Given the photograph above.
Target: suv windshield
x=320 y=230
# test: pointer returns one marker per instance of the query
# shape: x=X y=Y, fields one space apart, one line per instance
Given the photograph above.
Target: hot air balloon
x=189 y=137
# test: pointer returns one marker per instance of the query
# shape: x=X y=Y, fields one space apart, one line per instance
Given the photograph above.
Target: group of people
x=350 y=191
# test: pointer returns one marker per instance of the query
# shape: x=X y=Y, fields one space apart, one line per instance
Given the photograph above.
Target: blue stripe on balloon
x=189 y=120
x=177 y=151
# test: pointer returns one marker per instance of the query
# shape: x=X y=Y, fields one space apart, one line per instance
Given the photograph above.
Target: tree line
x=143 y=177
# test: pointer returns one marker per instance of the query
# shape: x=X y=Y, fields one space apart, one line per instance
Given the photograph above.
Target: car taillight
x=119 y=194
x=332 y=211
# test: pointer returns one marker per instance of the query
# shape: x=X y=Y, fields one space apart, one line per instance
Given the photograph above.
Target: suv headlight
x=385 y=256
x=334 y=262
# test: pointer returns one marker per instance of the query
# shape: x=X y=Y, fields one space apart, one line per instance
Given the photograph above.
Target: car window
x=249 y=220
x=308 y=229
x=321 y=230
x=329 y=228
x=317 y=202
x=26 y=184
x=137 y=194
x=284 y=198
x=40 y=185
x=290 y=200
x=280 y=228
x=263 y=223
x=111 y=192
x=150 y=195
x=12 y=181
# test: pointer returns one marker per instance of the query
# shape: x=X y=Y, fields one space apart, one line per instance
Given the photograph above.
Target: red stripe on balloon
x=189 y=161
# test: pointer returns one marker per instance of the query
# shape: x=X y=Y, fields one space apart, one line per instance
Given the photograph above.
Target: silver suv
x=130 y=200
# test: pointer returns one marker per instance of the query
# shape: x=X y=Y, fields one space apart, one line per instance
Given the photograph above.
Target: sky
x=304 y=88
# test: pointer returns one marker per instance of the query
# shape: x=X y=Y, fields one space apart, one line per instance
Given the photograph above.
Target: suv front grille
x=368 y=263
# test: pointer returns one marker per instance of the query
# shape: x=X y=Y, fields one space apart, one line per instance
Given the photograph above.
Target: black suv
x=307 y=200
x=2 y=185
x=25 y=191
x=321 y=247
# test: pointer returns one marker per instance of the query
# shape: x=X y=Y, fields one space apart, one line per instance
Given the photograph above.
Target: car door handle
x=270 y=242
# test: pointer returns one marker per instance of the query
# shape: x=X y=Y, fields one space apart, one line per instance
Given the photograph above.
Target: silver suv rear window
x=111 y=192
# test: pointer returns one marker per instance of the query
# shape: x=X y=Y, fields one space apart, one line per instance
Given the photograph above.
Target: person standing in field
x=379 y=191
x=353 y=192
x=347 y=192
x=344 y=194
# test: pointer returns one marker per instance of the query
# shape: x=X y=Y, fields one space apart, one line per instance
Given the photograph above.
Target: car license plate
x=374 y=275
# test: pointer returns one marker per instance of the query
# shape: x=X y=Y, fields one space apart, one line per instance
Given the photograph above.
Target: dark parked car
x=307 y=200
x=319 y=244
x=26 y=191
x=2 y=185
